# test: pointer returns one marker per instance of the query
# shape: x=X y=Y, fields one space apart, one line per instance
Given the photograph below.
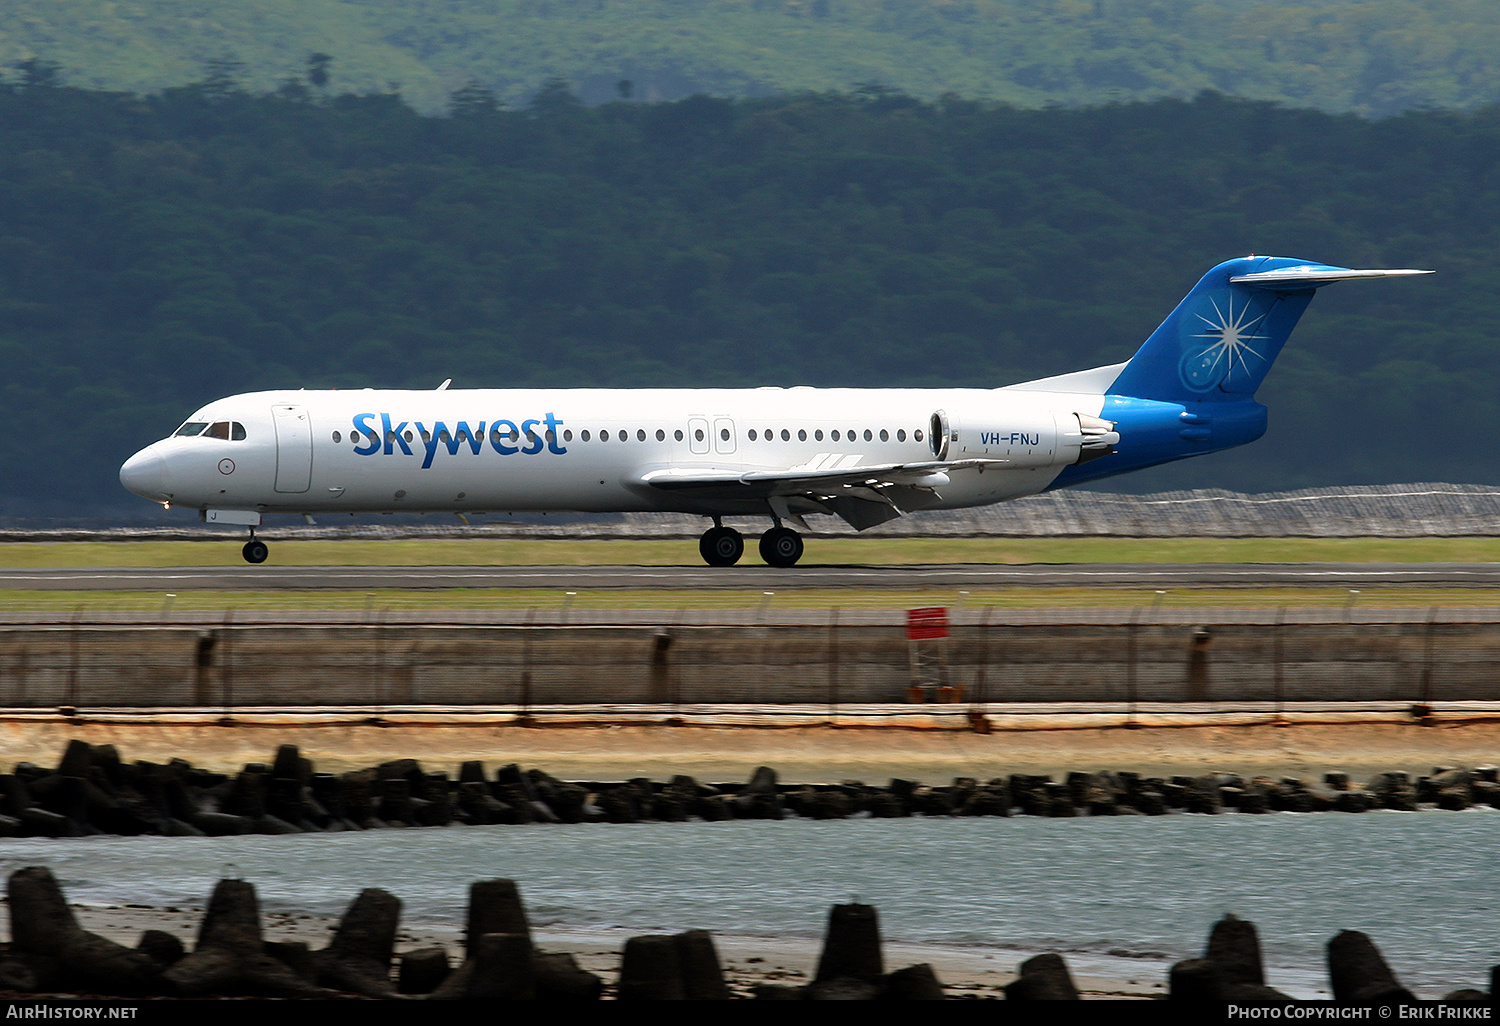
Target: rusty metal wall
x=102 y=666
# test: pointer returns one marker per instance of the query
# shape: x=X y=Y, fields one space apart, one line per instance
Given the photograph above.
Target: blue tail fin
x=1223 y=337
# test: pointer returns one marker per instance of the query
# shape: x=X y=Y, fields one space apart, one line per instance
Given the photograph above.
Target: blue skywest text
x=507 y=437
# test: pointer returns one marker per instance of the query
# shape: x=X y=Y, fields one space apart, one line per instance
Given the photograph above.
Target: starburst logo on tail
x=1228 y=342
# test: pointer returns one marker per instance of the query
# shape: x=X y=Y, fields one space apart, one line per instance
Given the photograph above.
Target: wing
x=862 y=496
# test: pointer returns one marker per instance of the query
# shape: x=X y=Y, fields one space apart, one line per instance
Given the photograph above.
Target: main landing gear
x=255 y=550
x=781 y=546
x=723 y=546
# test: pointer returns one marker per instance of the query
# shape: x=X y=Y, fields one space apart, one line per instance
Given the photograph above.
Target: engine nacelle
x=1022 y=436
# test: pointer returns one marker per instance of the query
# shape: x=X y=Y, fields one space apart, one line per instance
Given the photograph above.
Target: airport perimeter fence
x=1114 y=657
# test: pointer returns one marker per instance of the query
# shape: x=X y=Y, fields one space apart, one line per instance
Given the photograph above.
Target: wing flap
x=861 y=496
x=927 y=474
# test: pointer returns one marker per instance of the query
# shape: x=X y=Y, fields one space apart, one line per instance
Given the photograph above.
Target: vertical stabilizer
x=1223 y=337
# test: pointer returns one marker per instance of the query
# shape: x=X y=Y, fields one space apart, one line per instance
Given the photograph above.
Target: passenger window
x=901 y=434
x=604 y=436
x=752 y=434
x=868 y=436
x=698 y=434
x=835 y=435
x=568 y=435
x=551 y=437
x=337 y=438
x=661 y=436
x=640 y=434
x=677 y=434
x=818 y=435
x=218 y=429
x=724 y=434
x=786 y=436
x=426 y=437
x=801 y=435
x=917 y=434
x=190 y=429
x=624 y=435
x=884 y=436
x=407 y=436
x=586 y=436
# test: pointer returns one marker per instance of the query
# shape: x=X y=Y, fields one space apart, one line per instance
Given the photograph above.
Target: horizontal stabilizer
x=1314 y=275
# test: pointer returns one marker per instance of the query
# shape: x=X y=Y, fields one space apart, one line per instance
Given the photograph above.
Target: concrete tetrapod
x=1043 y=977
x=230 y=959
x=1359 y=973
x=358 y=959
x=48 y=941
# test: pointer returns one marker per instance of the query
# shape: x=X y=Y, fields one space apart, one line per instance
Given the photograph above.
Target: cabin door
x=293 y=448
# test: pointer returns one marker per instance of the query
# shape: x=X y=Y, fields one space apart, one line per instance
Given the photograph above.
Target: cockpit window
x=227 y=430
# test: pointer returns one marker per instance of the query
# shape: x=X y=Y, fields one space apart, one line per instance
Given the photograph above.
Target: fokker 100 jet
x=864 y=455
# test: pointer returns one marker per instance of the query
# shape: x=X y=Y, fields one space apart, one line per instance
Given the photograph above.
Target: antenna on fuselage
x=444 y=386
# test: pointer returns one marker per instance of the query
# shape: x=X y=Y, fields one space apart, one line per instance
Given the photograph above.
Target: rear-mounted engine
x=1022 y=437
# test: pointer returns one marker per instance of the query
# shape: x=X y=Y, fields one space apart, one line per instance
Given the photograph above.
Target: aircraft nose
x=145 y=473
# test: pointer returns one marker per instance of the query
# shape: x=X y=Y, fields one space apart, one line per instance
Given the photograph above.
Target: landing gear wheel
x=781 y=546
x=255 y=551
x=721 y=546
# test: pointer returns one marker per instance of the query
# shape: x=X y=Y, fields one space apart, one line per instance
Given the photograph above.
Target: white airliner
x=865 y=455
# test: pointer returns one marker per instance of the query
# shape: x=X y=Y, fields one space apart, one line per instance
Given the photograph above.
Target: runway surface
x=750 y=577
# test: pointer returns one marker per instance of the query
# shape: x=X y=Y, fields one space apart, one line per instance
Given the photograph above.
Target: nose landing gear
x=255 y=550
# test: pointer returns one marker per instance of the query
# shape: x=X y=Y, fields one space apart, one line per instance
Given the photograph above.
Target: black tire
x=721 y=546
x=255 y=551
x=781 y=546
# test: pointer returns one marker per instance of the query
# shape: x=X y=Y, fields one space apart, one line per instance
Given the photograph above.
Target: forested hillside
x=158 y=252
x=1368 y=56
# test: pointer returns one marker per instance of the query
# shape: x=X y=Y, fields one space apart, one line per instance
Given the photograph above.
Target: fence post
x=1426 y=698
x=661 y=669
x=981 y=673
x=1277 y=683
x=833 y=662
x=23 y=670
x=1130 y=691
x=526 y=667
x=203 y=664
x=227 y=669
x=70 y=705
